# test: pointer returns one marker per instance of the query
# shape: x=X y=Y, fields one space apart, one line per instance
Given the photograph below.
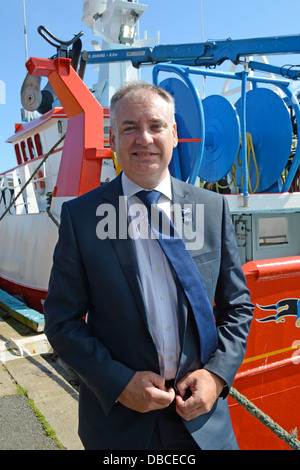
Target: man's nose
x=144 y=137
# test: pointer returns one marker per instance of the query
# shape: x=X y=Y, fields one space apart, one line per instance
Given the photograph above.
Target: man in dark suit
x=145 y=380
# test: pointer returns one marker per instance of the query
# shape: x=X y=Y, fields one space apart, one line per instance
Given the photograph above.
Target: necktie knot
x=149 y=197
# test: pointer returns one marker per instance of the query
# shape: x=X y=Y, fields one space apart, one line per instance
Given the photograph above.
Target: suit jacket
x=100 y=278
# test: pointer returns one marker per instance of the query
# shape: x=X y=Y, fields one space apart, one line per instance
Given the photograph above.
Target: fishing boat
x=248 y=150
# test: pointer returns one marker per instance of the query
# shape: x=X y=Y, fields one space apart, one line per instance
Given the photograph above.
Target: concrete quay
x=36 y=392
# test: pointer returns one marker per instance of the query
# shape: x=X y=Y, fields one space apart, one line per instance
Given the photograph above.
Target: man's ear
x=175 y=135
x=112 y=139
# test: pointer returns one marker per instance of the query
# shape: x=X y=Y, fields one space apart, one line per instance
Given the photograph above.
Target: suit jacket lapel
x=189 y=340
x=182 y=199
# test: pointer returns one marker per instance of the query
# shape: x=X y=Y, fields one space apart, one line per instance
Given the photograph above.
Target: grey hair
x=130 y=90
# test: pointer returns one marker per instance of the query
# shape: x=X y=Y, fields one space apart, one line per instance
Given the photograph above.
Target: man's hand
x=146 y=391
x=198 y=391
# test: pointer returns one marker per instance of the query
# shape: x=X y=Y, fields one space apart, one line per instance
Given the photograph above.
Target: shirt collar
x=130 y=188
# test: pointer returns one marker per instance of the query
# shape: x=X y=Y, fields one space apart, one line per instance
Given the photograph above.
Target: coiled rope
x=250 y=150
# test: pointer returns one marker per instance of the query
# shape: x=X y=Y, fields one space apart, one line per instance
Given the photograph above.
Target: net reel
x=216 y=143
x=268 y=127
x=269 y=124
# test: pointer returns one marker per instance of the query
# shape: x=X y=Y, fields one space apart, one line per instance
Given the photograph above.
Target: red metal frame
x=80 y=168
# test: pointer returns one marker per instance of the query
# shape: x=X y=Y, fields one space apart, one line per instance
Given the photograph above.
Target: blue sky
x=177 y=21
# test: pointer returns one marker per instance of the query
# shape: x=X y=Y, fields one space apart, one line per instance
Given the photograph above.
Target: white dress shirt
x=156 y=275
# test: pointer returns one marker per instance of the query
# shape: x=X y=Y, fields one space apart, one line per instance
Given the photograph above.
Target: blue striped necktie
x=189 y=278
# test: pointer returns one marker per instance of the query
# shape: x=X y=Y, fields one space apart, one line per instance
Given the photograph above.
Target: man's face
x=143 y=137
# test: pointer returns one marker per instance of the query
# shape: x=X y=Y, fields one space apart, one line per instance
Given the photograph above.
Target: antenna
x=203 y=77
x=25 y=32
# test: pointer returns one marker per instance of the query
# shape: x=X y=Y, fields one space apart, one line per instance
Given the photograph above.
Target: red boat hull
x=34 y=297
x=270 y=374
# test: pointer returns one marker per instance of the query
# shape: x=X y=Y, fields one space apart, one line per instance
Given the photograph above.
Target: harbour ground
x=38 y=395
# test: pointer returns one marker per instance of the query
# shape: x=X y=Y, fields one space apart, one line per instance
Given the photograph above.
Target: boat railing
x=24 y=189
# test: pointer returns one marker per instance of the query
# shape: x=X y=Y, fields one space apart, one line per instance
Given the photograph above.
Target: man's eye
x=128 y=129
x=158 y=126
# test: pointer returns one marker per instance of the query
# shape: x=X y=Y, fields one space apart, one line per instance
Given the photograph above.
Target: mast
x=114 y=21
x=25 y=32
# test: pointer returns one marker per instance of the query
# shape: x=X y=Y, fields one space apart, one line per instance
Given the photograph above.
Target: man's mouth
x=144 y=154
